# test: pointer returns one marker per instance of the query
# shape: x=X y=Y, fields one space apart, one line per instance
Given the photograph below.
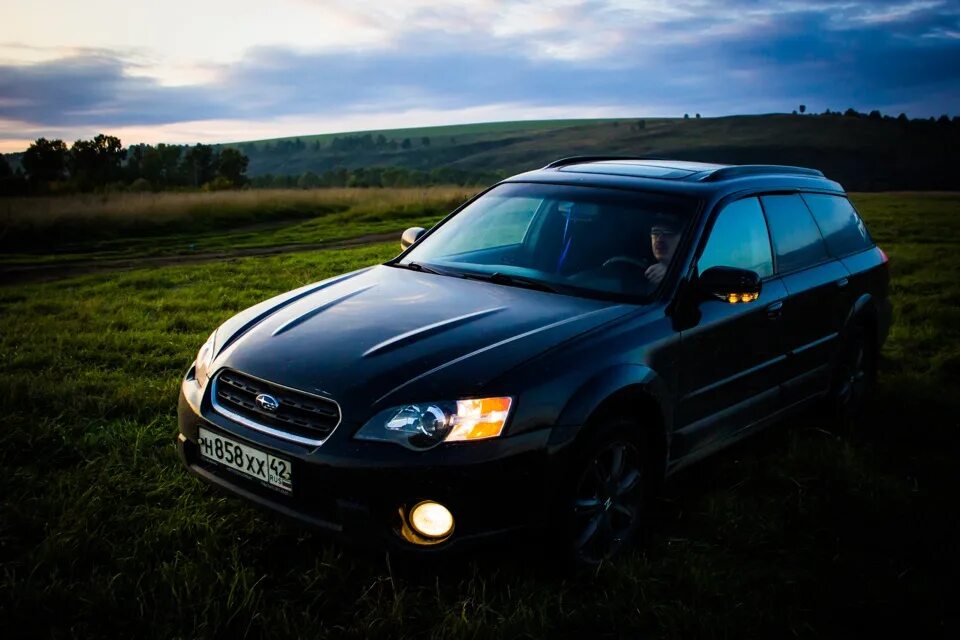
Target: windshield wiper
x=513 y=281
x=416 y=266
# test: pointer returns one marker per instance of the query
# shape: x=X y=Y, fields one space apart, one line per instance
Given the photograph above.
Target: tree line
x=49 y=166
x=346 y=143
x=367 y=177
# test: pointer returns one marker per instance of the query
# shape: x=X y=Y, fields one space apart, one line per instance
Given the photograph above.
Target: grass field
x=808 y=529
x=82 y=227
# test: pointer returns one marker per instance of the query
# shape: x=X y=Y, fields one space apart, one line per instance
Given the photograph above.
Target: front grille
x=300 y=414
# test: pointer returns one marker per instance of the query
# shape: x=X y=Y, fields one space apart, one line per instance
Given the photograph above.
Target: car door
x=731 y=355
x=818 y=290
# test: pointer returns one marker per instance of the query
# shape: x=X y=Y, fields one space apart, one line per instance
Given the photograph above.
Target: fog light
x=431 y=519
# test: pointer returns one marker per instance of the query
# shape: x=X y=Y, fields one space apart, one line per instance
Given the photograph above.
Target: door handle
x=775 y=310
x=842 y=282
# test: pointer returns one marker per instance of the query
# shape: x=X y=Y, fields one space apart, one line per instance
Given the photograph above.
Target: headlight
x=205 y=359
x=427 y=424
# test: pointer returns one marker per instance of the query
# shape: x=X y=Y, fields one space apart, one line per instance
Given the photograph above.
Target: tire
x=855 y=375
x=603 y=509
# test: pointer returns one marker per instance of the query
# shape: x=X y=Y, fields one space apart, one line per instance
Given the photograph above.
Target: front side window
x=796 y=237
x=576 y=239
x=739 y=239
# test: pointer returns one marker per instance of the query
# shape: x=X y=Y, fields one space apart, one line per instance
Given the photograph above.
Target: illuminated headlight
x=427 y=424
x=205 y=360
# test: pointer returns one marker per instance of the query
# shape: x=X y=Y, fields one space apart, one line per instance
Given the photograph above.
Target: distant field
x=808 y=529
x=443 y=131
x=132 y=224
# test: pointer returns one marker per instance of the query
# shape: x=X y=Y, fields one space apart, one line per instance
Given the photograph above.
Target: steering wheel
x=643 y=264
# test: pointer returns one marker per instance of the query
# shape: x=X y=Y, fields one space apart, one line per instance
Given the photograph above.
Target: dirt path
x=23 y=273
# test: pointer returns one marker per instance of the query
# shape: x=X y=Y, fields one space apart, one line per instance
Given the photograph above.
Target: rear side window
x=739 y=239
x=842 y=228
x=796 y=237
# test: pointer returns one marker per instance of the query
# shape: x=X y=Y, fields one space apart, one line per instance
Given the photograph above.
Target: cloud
x=520 y=59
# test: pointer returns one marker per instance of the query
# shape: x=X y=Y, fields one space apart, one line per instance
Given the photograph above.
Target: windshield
x=580 y=240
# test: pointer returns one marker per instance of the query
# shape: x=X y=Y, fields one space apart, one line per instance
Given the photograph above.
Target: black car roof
x=677 y=176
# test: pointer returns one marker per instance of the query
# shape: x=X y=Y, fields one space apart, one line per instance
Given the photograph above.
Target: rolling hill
x=863 y=153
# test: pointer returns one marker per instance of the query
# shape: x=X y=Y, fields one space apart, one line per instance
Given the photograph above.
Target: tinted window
x=503 y=223
x=840 y=225
x=796 y=237
x=739 y=239
x=584 y=240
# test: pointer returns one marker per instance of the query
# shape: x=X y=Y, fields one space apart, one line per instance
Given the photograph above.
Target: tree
x=697 y=116
x=308 y=180
x=45 y=160
x=875 y=115
x=405 y=144
x=199 y=164
x=851 y=113
x=5 y=170
x=161 y=166
x=232 y=165
x=425 y=141
x=803 y=109
x=95 y=163
x=944 y=119
x=686 y=116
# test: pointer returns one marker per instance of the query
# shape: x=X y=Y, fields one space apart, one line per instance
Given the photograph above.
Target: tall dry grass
x=87 y=216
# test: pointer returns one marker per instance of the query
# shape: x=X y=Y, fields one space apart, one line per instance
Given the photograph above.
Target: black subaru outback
x=544 y=356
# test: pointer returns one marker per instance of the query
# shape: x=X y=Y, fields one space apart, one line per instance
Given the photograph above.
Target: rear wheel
x=856 y=373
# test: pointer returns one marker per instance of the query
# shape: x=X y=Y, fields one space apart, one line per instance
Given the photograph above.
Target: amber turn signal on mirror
x=735 y=298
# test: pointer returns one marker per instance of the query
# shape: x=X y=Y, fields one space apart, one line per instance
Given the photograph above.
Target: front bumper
x=357 y=491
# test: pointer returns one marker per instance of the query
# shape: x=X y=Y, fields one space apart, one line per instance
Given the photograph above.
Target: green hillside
x=863 y=153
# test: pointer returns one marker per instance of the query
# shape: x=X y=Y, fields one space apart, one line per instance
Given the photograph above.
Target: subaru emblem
x=267 y=402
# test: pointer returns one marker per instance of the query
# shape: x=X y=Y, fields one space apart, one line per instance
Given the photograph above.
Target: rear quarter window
x=842 y=229
x=796 y=237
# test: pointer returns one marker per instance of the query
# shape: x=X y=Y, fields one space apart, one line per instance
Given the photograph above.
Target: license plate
x=250 y=461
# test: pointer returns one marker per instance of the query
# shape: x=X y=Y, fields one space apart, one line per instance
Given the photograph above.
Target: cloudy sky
x=222 y=70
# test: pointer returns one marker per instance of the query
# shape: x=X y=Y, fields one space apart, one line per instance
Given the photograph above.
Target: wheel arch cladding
x=634 y=391
x=865 y=310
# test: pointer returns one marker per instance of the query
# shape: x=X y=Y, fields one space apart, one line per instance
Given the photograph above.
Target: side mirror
x=730 y=284
x=410 y=236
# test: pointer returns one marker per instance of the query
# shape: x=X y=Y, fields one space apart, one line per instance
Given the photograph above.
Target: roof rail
x=562 y=162
x=739 y=171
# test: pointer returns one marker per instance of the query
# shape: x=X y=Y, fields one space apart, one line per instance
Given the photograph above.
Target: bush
x=140 y=185
x=218 y=184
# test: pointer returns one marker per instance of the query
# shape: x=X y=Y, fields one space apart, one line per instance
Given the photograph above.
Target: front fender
x=588 y=398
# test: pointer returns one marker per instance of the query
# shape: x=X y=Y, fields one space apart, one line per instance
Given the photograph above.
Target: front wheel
x=605 y=508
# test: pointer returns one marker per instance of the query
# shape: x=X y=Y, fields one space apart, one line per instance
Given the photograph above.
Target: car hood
x=386 y=335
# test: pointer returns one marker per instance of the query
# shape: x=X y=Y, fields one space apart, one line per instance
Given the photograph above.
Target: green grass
x=807 y=529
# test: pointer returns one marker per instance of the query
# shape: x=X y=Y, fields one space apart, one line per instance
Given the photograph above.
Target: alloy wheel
x=606 y=506
x=853 y=376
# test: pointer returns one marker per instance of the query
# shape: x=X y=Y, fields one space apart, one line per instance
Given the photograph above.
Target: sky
x=186 y=71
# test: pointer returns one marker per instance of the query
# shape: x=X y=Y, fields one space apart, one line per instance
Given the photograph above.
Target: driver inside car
x=664 y=236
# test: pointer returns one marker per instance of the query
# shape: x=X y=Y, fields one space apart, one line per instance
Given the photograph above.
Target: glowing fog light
x=431 y=519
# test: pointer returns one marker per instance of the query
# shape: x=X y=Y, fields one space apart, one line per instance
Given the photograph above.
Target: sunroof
x=632 y=170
